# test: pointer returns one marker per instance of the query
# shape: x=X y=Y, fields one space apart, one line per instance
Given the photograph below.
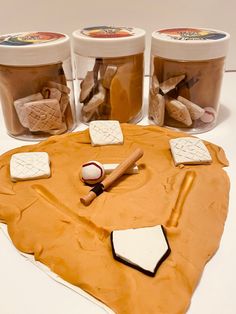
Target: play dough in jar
x=109 y=72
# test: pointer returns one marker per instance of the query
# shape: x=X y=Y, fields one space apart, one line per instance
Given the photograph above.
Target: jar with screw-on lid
x=187 y=66
x=36 y=84
x=109 y=72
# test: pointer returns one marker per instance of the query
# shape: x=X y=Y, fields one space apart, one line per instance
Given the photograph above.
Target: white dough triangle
x=143 y=248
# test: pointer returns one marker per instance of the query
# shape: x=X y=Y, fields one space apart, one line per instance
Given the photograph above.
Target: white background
x=68 y=15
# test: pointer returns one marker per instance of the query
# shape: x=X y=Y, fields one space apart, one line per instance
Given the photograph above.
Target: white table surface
x=25 y=289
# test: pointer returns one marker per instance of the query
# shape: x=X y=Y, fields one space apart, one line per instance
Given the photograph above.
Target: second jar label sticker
x=107 y=32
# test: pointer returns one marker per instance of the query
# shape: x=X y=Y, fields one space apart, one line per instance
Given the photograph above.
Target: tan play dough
x=126 y=89
x=46 y=218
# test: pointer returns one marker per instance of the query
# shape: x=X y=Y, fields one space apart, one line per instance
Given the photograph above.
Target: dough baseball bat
x=183 y=193
x=109 y=180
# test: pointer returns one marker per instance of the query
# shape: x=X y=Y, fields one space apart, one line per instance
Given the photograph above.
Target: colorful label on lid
x=190 y=34
x=107 y=32
x=23 y=39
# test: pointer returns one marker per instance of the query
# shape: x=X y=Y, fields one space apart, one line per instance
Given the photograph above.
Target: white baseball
x=92 y=172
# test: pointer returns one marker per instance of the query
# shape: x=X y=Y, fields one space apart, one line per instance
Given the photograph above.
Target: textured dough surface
x=45 y=218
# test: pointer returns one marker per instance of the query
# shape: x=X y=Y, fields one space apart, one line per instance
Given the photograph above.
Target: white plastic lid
x=108 y=41
x=190 y=43
x=33 y=48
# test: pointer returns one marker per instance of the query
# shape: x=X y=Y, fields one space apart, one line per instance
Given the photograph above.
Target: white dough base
x=189 y=150
x=105 y=132
x=29 y=166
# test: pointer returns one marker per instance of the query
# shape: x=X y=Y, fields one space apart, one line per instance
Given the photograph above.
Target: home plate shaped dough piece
x=105 y=132
x=189 y=150
x=142 y=248
x=28 y=166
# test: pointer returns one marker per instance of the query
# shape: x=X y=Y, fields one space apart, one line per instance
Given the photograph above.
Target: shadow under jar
x=109 y=73
x=187 y=67
x=36 y=85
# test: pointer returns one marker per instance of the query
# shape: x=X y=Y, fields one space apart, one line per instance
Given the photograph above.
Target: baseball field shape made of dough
x=46 y=218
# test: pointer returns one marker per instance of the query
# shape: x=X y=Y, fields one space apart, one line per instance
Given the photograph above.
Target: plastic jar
x=109 y=72
x=36 y=84
x=187 y=66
